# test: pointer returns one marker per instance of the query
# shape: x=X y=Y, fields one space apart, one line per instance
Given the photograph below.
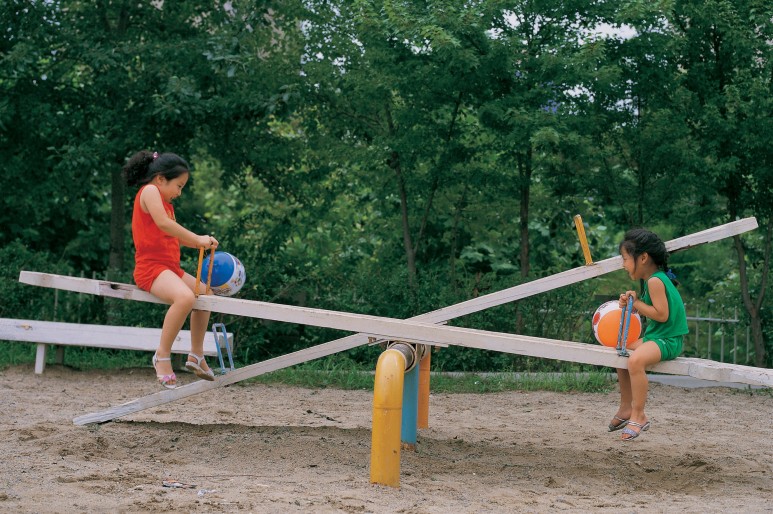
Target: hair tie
x=155 y=155
x=670 y=274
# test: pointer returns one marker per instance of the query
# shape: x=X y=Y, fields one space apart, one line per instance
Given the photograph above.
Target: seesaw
x=419 y=329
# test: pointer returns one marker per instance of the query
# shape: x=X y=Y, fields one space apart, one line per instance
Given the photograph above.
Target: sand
x=257 y=448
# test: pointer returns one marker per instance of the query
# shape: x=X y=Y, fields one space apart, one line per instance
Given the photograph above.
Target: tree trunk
x=117 y=186
x=760 y=355
x=524 y=176
x=458 y=210
x=394 y=163
x=753 y=306
x=117 y=220
x=437 y=170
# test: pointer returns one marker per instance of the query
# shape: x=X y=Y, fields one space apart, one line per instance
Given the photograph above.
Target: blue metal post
x=410 y=407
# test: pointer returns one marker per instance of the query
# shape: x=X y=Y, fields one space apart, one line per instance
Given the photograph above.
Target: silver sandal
x=633 y=433
x=622 y=424
x=198 y=370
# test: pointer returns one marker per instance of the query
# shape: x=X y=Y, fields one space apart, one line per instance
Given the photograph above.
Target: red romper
x=155 y=250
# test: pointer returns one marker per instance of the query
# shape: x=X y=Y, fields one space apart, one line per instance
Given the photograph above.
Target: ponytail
x=144 y=165
x=135 y=171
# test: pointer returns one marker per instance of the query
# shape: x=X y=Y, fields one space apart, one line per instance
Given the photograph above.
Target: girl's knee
x=184 y=299
x=644 y=355
x=636 y=364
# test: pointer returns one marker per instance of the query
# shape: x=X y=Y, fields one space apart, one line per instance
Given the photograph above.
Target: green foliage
x=23 y=301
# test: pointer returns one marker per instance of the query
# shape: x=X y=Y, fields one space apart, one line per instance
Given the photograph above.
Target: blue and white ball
x=228 y=275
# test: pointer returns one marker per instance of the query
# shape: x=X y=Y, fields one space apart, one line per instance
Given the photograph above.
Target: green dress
x=676 y=324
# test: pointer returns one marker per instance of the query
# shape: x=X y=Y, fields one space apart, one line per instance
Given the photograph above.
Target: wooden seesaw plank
x=470 y=338
x=521 y=291
x=575 y=275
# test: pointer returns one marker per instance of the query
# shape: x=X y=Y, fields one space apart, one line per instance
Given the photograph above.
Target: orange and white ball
x=606 y=324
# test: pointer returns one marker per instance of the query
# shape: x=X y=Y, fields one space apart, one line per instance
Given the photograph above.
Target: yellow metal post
x=387 y=419
x=583 y=239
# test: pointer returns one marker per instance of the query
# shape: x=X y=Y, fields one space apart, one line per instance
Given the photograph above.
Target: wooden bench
x=45 y=333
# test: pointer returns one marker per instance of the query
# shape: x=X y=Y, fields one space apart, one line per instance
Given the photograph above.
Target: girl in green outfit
x=645 y=258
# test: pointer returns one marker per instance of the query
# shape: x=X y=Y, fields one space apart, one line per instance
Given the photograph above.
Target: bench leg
x=40 y=359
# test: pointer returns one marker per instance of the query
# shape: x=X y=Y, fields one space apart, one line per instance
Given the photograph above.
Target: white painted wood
x=40 y=358
x=508 y=343
x=603 y=356
x=433 y=334
x=404 y=330
x=102 y=336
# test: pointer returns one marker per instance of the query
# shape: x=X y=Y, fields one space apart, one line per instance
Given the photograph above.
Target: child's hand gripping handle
x=625 y=323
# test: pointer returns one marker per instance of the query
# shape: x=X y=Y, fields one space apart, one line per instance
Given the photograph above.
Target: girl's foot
x=198 y=365
x=164 y=372
x=633 y=429
x=617 y=423
x=619 y=420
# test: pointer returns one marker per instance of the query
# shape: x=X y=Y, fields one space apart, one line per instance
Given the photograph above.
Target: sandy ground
x=259 y=448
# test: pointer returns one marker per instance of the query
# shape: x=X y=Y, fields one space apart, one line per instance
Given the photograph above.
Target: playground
x=389 y=186
x=258 y=448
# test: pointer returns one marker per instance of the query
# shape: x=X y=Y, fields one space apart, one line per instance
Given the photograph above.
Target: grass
x=322 y=373
x=589 y=382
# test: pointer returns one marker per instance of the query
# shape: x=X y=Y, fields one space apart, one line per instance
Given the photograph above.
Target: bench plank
x=100 y=336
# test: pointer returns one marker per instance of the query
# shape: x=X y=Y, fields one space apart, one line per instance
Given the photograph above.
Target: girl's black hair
x=144 y=165
x=638 y=241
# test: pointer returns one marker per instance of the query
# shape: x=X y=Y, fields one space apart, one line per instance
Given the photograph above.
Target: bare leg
x=169 y=287
x=624 y=411
x=646 y=354
x=626 y=394
x=199 y=324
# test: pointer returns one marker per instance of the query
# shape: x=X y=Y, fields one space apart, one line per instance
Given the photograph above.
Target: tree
x=726 y=58
x=396 y=84
x=533 y=112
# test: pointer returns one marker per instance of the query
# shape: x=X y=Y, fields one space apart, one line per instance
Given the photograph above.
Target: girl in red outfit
x=157 y=239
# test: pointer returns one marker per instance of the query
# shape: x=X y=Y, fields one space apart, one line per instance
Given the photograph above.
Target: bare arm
x=151 y=202
x=658 y=311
